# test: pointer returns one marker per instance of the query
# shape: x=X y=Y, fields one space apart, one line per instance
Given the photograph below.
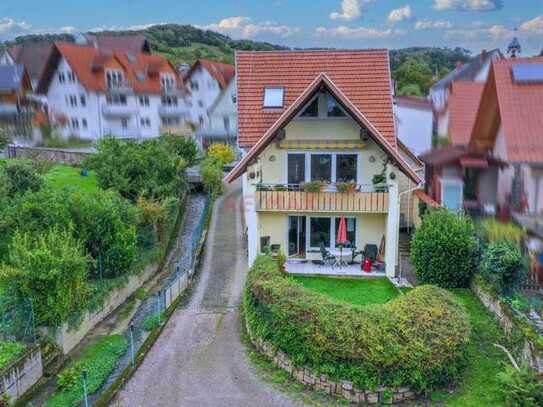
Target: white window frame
x=167 y=81
x=322 y=115
x=332 y=246
x=334 y=155
x=115 y=74
x=453 y=181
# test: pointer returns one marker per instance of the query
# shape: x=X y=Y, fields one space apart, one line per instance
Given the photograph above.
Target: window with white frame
x=194 y=86
x=114 y=78
x=75 y=123
x=116 y=99
x=124 y=124
x=170 y=101
x=323 y=230
x=83 y=100
x=273 y=97
x=84 y=123
x=452 y=194
x=71 y=76
x=315 y=108
x=61 y=77
x=167 y=81
x=145 y=122
x=171 y=121
x=73 y=100
x=144 y=100
x=322 y=166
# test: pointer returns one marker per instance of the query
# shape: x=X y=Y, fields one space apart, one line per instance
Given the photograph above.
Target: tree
x=49 y=269
x=221 y=152
x=19 y=177
x=444 y=250
x=503 y=266
x=414 y=71
x=4 y=138
x=411 y=89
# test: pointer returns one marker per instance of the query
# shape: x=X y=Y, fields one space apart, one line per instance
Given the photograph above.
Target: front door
x=296 y=236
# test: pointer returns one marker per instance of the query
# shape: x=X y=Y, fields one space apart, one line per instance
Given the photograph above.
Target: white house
x=222 y=118
x=316 y=140
x=206 y=80
x=125 y=94
x=414 y=122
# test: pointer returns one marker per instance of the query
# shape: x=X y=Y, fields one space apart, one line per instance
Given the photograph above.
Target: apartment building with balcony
x=93 y=93
x=319 y=135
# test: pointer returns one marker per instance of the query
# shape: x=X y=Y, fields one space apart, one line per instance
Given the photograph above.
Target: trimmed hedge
x=417 y=340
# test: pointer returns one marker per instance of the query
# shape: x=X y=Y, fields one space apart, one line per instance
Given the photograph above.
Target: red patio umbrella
x=341 y=237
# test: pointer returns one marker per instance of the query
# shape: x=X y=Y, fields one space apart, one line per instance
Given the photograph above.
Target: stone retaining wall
x=529 y=354
x=60 y=156
x=67 y=338
x=342 y=388
x=20 y=375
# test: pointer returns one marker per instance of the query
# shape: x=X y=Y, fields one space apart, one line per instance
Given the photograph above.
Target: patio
x=309 y=267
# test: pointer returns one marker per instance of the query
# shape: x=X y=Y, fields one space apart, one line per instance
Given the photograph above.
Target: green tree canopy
x=414 y=72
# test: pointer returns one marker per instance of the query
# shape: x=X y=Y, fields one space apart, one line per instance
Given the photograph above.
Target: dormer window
x=114 y=78
x=167 y=81
x=273 y=97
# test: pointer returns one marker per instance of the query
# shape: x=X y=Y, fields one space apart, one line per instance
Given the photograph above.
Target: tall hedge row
x=417 y=340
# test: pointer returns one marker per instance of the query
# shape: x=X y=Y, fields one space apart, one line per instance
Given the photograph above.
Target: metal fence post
x=132 y=344
x=85 y=393
x=158 y=305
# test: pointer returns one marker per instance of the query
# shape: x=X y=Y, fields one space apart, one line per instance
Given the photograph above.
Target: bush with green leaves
x=50 y=269
x=148 y=169
x=492 y=230
x=417 y=340
x=152 y=321
x=99 y=361
x=444 y=250
x=221 y=152
x=19 y=177
x=503 y=266
x=212 y=174
x=520 y=388
x=9 y=350
x=184 y=147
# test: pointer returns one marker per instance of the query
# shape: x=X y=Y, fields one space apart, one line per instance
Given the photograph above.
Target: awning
x=321 y=144
x=474 y=162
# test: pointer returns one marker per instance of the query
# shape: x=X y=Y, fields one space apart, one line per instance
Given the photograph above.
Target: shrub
x=444 y=250
x=492 y=230
x=221 y=152
x=9 y=350
x=503 y=266
x=417 y=340
x=151 y=322
x=51 y=270
x=20 y=176
x=99 y=361
x=212 y=173
x=147 y=169
x=184 y=147
x=520 y=388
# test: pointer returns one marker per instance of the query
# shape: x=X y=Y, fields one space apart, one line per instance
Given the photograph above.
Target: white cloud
x=494 y=32
x=355 y=33
x=68 y=29
x=432 y=24
x=534 y=25
x=468 y=5
x=243 y=27
x=9 y=25
x=349 y=10
x=135 y=27
x=399 y=14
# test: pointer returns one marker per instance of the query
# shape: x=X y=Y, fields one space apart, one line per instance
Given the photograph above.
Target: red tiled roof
x=363 y=76
x=322 y=81
x=519 y=109
x=223 y=73
x=413 y=102
x=89 y=65
x=464 y=102
x=132 y=43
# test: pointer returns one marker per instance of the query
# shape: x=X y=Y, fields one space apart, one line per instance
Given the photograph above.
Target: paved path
x=199 y=359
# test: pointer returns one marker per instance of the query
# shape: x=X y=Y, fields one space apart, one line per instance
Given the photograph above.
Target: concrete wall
x=67 y=338
x=61 y=156
x=20 y=375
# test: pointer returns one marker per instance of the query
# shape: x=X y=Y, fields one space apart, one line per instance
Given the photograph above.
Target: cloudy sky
x=474 y=24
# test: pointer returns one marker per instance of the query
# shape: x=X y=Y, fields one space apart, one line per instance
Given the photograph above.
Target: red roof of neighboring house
x=111 y=43
x=321 y=82
x=464 y=102
x=89 y=65
x=518 y=107
x=424 y=197
x=363 y=76
x=222 y=73
x=413 y=102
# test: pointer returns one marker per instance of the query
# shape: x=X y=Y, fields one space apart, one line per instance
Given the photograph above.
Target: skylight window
x=528 y=72
x=273 y=97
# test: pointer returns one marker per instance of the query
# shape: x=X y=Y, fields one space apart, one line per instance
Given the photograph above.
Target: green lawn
x=479 y=385
x=64 y=175
x=360 y=291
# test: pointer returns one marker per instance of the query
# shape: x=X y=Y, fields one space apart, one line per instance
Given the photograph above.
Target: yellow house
x=321 y=153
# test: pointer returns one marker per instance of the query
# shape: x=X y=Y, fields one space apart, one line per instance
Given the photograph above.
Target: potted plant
x=345 y=187
x=280 y=188
x=312 y=186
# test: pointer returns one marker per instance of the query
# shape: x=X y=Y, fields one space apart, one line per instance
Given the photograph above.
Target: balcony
x=293 y=198
x=171 y=110
x=118 y=110
x=119 y=87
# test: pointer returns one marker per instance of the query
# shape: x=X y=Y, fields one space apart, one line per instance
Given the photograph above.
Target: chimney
x=483 y=54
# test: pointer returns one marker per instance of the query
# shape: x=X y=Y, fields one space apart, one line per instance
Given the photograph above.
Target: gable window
x=273 y=97
x=71 y=76
x=114 y=78
x=321 y=167
x=333 y=108
x=167 y=81
x=312 y=110
x=194 y=85
x=61 y=77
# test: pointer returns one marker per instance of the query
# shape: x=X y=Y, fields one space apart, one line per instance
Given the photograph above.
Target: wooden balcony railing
x=296 y=200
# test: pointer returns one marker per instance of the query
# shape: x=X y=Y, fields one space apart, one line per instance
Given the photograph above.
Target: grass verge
x=60 y=176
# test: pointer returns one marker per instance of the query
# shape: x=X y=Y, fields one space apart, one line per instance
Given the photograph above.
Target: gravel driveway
x=199 y=359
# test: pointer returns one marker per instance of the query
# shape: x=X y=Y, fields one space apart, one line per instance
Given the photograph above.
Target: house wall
x=488 y=186
x=203 y=97
x=223 y=108
x=414 y=127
